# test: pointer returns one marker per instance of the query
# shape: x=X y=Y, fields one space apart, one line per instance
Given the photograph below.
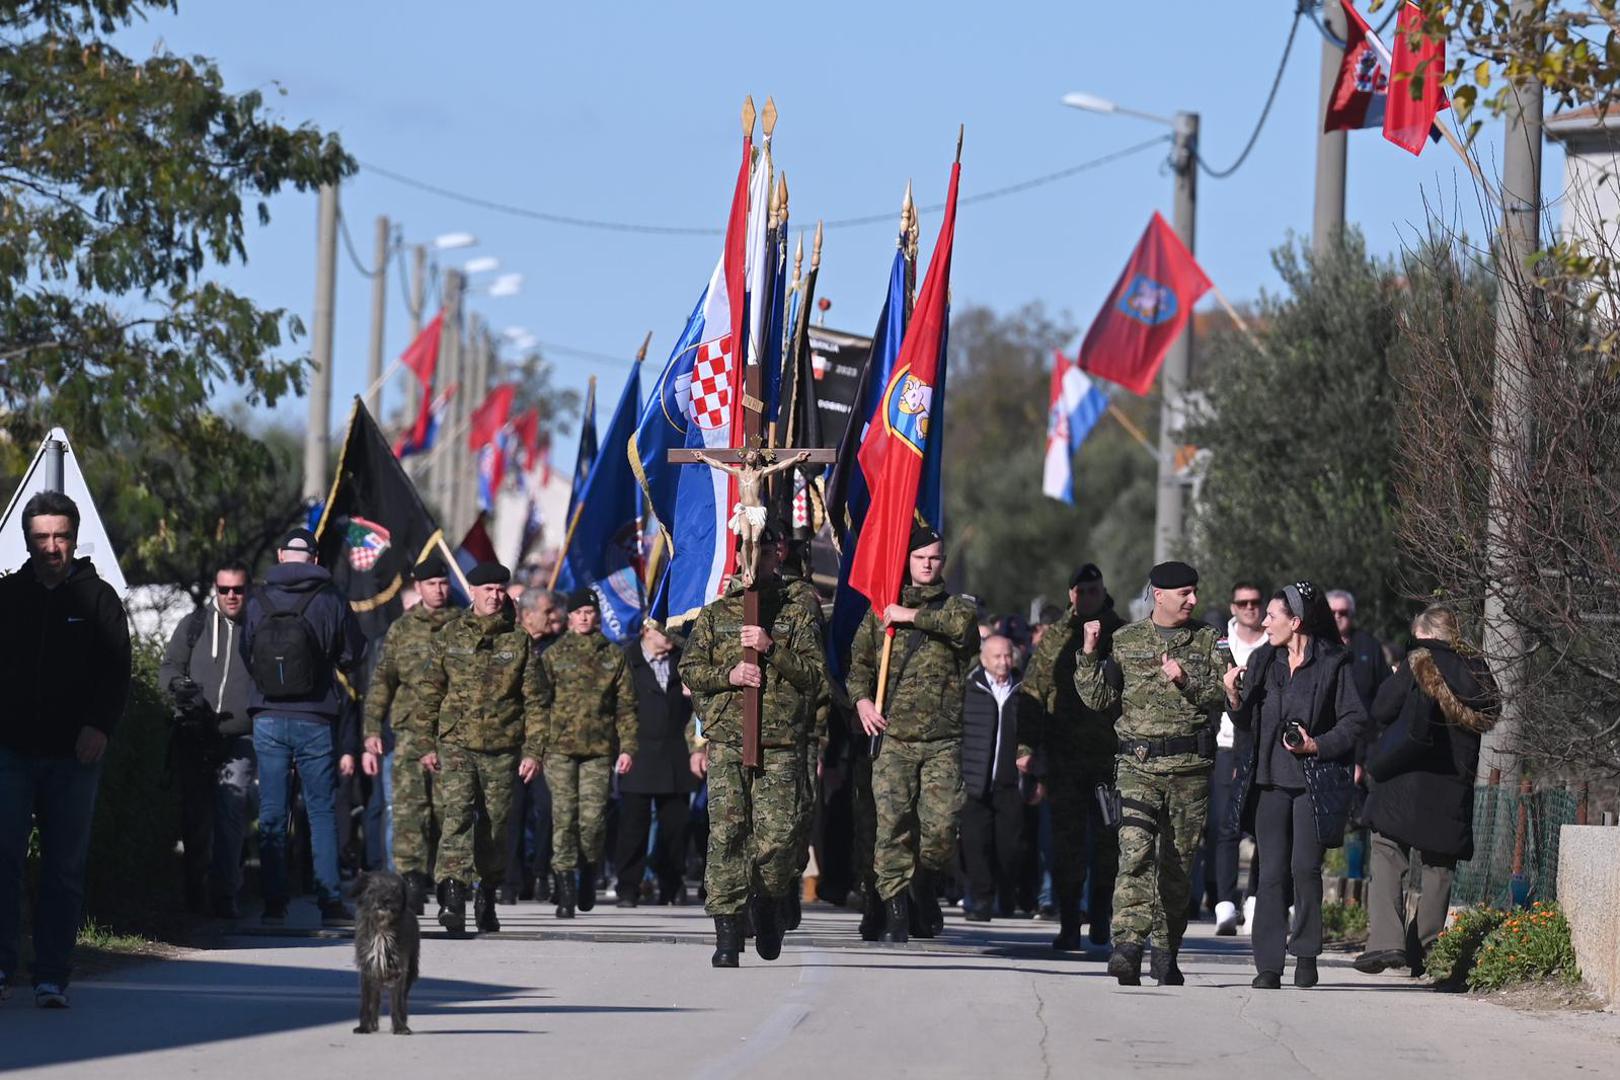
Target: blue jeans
x=59 y=795
x=281 y=742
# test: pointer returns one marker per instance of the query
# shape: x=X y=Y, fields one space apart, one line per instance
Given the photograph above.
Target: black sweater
x=64 y=659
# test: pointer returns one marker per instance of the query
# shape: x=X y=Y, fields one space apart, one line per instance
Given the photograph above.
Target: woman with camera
x=1298 y=698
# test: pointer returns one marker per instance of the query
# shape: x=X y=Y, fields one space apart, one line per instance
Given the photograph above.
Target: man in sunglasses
x=1244 y=634
x=207 y=682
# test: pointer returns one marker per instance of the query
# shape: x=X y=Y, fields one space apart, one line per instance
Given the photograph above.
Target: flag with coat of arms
x=1076 y=405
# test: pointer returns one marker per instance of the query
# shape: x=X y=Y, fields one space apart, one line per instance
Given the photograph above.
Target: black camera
x=1293 y=735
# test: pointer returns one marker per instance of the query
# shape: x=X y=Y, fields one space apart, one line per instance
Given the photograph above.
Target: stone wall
x=1589 y=891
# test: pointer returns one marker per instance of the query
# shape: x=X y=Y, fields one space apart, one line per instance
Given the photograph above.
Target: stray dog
x=387 y=948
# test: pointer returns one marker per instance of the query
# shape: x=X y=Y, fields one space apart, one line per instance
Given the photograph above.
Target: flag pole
x=1132 y=430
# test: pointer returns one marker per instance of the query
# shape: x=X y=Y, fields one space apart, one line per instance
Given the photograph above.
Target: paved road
x=628 y=993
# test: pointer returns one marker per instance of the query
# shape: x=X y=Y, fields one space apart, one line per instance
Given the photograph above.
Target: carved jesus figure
x=748 y=516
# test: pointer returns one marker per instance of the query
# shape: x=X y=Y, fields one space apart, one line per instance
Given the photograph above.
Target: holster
x=1108 y=800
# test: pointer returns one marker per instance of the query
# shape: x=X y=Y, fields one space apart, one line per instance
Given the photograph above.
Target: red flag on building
x=897 y=439
x=1418 y=65
x=488 y=419
x=1146 y=310
x=1363 y=78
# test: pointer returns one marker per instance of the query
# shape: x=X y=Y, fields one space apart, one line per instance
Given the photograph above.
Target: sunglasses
x=1246 y=603
x=230 y=590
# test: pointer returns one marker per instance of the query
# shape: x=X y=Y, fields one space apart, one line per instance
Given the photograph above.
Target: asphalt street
x=631 y=993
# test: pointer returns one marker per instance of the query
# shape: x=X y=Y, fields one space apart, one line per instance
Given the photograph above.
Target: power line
x=1334 y=39
x=888 y=216
x=1276 y=82
x=354 y=256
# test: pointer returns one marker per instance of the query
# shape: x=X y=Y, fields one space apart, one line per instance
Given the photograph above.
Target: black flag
x=374 y=528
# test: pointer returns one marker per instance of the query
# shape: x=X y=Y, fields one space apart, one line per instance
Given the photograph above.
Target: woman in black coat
x=1298 y=698
x=1429 y=718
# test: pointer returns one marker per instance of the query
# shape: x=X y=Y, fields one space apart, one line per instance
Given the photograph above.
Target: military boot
x=871 y=915
x=767 y=927
x=453 y=906
x=897 y=919
x=484 y=908
x=417 y=887
x=1068 y=937
x=927 y=920
x=1126 y=964
x=587 y=886
x=1164 y=969
x=562 y=890
x=727 y=942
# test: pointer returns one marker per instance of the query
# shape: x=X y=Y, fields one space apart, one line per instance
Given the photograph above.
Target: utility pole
x=1327 y=226
x=1510 y=425
x=444 y=480
x=477 y=386
x=1169 y=524
x=418 y=287
x=379 y=311
x=316 y=441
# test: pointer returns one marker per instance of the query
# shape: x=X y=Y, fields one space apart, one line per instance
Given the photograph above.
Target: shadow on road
x=164 y=1006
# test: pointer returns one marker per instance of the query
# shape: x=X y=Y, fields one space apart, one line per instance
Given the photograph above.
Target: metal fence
x=1516 y=844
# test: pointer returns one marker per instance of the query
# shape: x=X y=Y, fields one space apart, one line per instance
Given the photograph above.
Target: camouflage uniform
x=1166 y=798
x=590 y=718
x=755 y=817
x=1077 y=745
x=395 y=694
x=484 y=690
x=917 y=777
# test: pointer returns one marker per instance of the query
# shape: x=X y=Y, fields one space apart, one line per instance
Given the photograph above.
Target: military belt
x=1202 y=744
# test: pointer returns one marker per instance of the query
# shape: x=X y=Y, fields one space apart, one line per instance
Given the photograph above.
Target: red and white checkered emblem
x=711 y=384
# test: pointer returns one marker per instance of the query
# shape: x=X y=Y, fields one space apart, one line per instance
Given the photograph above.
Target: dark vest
x=981 y=720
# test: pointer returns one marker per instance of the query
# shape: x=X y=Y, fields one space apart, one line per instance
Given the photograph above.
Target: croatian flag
x=1076 y=406
x=698 y=405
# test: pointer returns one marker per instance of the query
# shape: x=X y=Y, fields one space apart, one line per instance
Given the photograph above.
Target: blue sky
x=629 y=112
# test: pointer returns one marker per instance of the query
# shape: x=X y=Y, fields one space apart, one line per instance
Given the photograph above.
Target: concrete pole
x=55 y=465
x=379 y=314
x=418 y=287
x=1510 y=425
x=1169 y=526
x=316 y=433
x=1327 y=225
x=443 y=474
x=478 y=386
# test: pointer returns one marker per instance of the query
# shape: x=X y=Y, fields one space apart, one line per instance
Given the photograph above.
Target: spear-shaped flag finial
x=770 y=116
x=641 y=353
x=815 y=253
x=748 y=115
x=961 y=129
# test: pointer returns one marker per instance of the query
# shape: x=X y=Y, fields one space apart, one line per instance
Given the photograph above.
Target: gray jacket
x=214 y=663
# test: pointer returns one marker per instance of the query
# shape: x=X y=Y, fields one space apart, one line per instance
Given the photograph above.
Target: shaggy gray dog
x=387 y=947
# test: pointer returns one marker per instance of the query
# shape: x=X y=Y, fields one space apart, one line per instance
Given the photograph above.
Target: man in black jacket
x=207 y=680
x=300 y=725
x=661 y=776
x=65 y=666
x=993 y=761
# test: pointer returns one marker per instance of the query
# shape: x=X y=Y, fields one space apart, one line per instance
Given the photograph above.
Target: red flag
x=488 y=419
x=1418 y=58
x=476 y=546
x=527 y=428
x=422 y=355
x=892 y=454
x=1150 y=304
x=1363 y=76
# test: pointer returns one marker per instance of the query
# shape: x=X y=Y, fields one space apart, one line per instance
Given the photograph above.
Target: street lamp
x=451 y=240
x=481 y=264
x=1169 y=525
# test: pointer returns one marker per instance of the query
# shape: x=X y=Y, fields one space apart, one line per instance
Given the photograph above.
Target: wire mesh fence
x=1515 y=845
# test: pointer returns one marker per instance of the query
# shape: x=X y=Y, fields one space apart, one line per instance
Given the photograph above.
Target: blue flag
x=605 y=552
x=586 y=458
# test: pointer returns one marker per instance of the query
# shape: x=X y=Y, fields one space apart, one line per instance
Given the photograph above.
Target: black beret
x=1088 y=572
x=1173 y=575
x=489 y=573
x=431 y=567
x=775 y=529
x=298 y=540
x=921 y=537
x=583 y=598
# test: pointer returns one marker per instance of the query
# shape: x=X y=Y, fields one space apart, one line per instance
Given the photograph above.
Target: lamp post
x=1169 y=522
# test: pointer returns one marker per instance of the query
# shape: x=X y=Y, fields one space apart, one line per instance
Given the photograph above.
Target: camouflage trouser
x=864 y=815
x=754 y=825
x=579 y=797
x=474 y=788
x=807 y=819
x=1081 y=844
x=416 y=825
x=917 y=788
x=1161 y=829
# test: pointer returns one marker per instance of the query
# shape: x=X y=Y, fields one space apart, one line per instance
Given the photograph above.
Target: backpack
x=286 y=659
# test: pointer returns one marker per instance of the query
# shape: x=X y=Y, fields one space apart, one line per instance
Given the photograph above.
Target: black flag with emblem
x=374 y=528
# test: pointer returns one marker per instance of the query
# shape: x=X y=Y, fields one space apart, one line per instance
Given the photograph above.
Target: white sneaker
x=1248 y=915
x=1226 y=919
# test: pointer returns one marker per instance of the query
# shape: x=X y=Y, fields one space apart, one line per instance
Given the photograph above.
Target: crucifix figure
x=748 y=516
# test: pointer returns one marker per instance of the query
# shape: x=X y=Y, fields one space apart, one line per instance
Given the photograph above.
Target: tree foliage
x=1300 y=434
x=122 y=182
x=1015 y=543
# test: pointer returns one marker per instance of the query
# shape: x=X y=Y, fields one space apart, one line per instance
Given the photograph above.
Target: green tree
x=122 y=182
x=1300 y=434
x=1013 y=542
